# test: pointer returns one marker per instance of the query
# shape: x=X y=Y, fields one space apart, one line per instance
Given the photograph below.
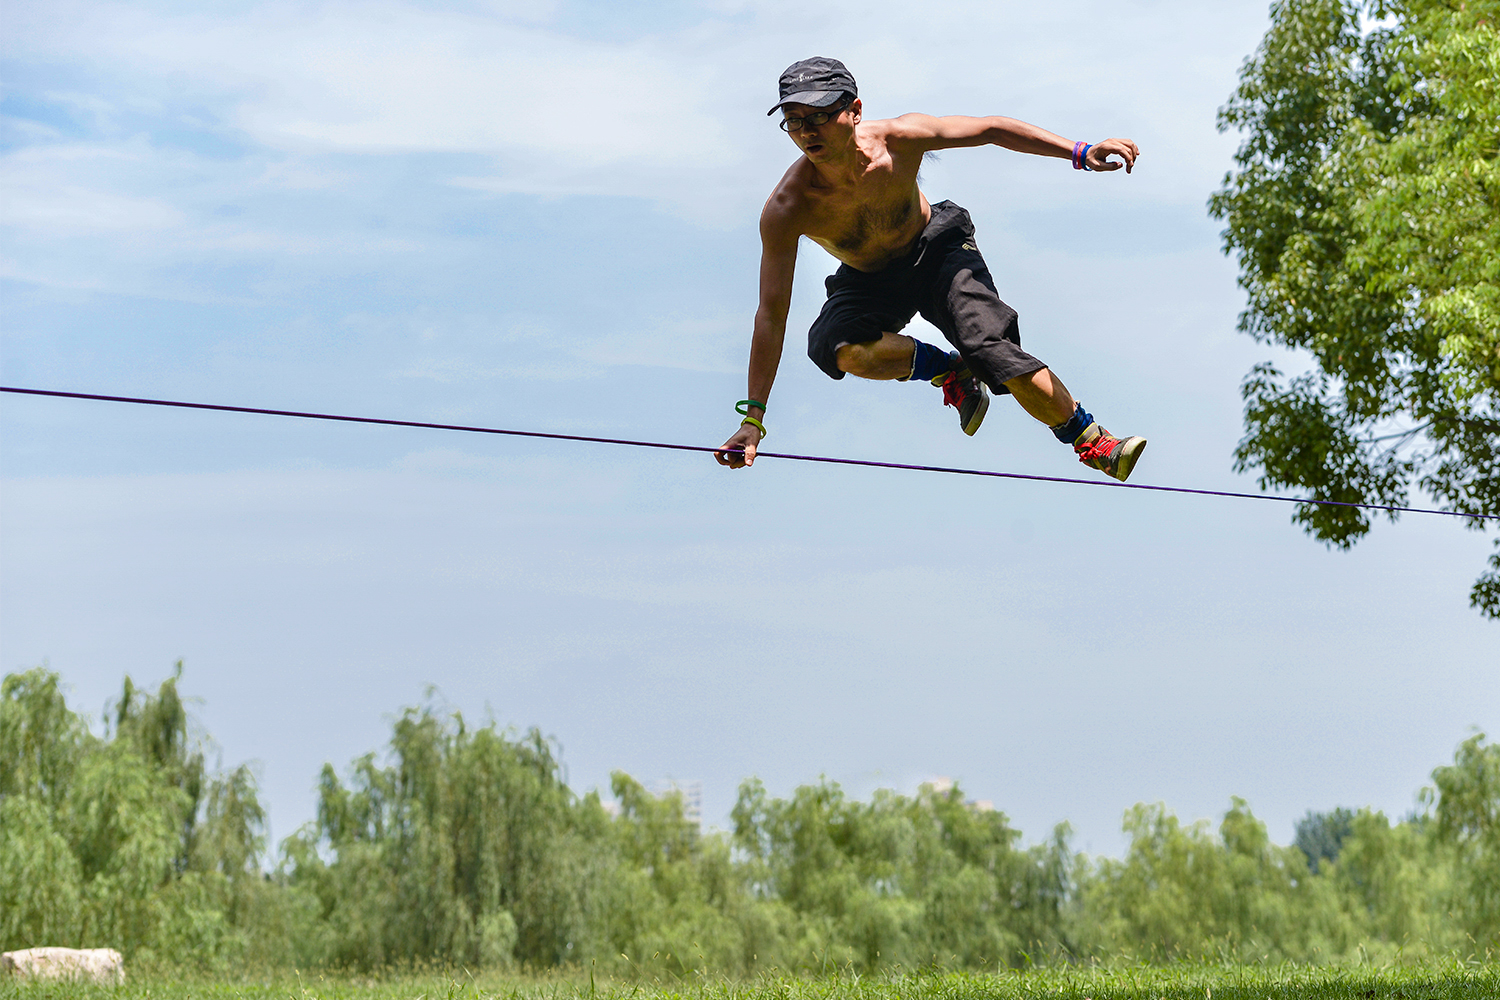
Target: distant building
x=943 y=785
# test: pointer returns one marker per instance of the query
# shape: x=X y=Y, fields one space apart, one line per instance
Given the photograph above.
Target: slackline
x=703 y=448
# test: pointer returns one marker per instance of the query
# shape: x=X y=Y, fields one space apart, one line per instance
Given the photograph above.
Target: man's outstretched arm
x=778 y=263
x=928 y=132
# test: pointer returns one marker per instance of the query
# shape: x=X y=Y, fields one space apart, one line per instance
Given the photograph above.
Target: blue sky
x=542 y=216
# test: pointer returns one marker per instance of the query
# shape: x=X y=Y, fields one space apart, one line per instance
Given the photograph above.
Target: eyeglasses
x=815 y=119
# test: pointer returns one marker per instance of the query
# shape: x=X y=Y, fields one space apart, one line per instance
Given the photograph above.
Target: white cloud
x=393 y=77
x=39 y=196
x=71 y=208
x=332 y=113
x=572 y=115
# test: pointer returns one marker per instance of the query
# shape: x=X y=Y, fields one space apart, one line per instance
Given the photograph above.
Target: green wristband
x=756 y=424
x=743 y=407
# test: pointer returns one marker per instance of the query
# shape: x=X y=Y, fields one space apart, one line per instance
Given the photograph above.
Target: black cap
x=816 y=82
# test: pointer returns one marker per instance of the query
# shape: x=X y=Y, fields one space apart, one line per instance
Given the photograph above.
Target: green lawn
x=1434 y=981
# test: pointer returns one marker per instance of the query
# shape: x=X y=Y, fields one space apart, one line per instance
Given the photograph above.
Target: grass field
x=1422 y=982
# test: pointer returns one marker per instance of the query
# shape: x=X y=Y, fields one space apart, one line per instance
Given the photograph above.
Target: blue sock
x=1068 y=431
x=929 y=362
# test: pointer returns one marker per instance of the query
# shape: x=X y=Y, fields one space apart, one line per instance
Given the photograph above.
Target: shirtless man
x=854 y=193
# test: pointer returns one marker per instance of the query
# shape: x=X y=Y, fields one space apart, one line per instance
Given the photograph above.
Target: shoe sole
x=978 y=417
x=1130 y=453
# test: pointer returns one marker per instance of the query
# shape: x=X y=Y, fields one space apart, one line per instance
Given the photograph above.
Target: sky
x=542 y=216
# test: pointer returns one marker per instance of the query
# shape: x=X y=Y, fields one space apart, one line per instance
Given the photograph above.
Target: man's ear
x=855 y=107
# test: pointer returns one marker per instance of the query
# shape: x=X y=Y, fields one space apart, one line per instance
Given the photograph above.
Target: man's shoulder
x=912 y=126
x=788 y=201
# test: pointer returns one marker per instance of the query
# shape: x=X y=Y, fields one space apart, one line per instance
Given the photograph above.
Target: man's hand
x=1124 y=148
x=744 y=442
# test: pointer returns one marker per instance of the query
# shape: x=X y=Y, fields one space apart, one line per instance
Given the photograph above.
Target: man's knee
x=1039 y=377
x=856 y=359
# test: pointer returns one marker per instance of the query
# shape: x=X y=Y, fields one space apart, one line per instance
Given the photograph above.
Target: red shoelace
x=1100 y=448
x=953 y=393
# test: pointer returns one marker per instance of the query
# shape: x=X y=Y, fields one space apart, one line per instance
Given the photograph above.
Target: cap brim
x=812 y=98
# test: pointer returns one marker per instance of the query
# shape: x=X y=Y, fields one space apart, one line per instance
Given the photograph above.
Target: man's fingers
x=735 y=454
x=1124 y=148
x=1099 y=155
x=738 y=451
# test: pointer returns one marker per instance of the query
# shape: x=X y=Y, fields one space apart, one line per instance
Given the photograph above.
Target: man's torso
x=867 y=223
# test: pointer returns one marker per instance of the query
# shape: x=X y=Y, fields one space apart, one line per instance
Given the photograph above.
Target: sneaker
x=966 y=393
x=1099 y=449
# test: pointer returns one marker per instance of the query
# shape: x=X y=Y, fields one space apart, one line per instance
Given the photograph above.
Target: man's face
x=817 y=142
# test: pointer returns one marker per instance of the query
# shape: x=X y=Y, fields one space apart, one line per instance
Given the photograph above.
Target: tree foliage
x=1467 y=796
x=126 y=838
x=467 y=846
x=1365 y=214
x=1320 y=835
x=899 y=881
x=462 y=845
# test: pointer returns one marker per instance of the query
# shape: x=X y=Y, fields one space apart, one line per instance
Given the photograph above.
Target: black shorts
x=944 y=278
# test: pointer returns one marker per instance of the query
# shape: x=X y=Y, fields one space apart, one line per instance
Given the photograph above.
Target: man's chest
x=878 y=208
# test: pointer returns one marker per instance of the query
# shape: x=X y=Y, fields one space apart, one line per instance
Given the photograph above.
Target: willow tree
x=125 y=840
x=1365 y=213
x=1467 y=796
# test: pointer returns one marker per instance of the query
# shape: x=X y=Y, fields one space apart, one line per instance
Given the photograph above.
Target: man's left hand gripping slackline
x=854 y=193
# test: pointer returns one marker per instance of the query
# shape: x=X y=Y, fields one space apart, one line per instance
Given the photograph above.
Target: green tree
x=1320 y=836
x=1395 y=883
x=125 y=840
x=41 y=743
x=678 y=900
x=467 y=847
x=155 y=730
x=1467 y=796
x=41 y=740
x=463 y=845
x=898 y=880
x=1365 y=214
x=1183 y=893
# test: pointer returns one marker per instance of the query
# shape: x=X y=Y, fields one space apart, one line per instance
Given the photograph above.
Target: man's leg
x=972 y=316
x=897 y=356
x=1043 y=395
x=890 y=357
x=856 y=333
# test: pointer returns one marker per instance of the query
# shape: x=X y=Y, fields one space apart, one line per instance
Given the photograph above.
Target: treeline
x=461 y=845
